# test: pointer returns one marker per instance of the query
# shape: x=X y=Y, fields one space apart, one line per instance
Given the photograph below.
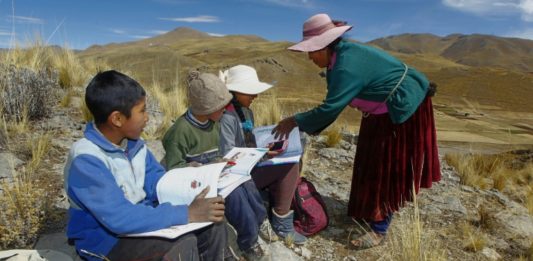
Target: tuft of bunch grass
x=473 y=239
x=482 y=171
x=506 y=172
x=36 y=56
x=410 y=241
x=172 y=104
x=333 y=136
x=22 y=205
x=267 y=110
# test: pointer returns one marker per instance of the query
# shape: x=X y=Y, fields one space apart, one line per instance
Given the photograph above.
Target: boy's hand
x=206 y=209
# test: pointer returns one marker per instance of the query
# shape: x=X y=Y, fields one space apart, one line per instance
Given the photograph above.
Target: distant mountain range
x=473 y=50
x=481 y=68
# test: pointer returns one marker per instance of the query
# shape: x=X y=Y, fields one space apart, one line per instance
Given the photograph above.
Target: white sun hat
x=243 y=79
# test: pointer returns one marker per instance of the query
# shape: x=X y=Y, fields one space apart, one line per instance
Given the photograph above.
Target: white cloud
x=291 y=3
x=194 y=19
x=118 y=31
x=525 y=34
x=158 y=32
x=5 y=33
x=494 y=7
x=216 y=35
x=139 y=36
x=527 y=10
x=26 y=19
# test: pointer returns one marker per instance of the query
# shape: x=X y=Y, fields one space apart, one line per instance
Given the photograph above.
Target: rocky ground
x=451 y=216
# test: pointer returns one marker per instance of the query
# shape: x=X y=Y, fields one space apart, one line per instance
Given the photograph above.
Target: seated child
x=194 y=140
x=110 y=180
x=236 y=128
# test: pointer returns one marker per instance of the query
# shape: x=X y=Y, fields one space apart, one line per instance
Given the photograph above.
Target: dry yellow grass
x=473 y=239
x=40 y=145
x=499 y=171
x=172 y=104
x=529 y=199
x=333 y=135
x=267 y=110
x=26 y=202
x=411 y=241
x=22 y=213
x=36 y=56
x=478 y=170
x=67 y=99
x=20 y=126
x=85 y=112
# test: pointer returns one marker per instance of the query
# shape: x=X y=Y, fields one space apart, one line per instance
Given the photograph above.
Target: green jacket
x=367 y=73
x=185 y=143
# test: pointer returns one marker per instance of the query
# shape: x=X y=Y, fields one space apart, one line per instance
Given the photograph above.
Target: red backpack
x=310 y=213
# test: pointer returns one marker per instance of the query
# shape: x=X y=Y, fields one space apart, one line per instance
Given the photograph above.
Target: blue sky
x=83 y=23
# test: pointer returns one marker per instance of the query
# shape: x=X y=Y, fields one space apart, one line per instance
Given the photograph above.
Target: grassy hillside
x=474 y=50
x=298 y=81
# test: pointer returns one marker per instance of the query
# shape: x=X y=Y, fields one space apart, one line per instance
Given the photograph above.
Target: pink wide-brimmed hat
x=318 y=32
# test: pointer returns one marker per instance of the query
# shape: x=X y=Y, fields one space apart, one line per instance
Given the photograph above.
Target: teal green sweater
x=367 y=73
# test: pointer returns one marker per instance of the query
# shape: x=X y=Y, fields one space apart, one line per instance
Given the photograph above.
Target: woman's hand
x=284 y=127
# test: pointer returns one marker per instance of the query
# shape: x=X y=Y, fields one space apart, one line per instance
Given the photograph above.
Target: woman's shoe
x=368 y=240
x=283 y=227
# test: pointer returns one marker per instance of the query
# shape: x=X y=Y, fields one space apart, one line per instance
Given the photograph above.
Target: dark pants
x=204 y=244
x=245 y=212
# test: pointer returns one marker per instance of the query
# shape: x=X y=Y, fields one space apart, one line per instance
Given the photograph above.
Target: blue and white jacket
x=112 y=192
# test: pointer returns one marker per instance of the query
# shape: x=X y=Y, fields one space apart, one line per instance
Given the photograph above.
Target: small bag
x=310 y=213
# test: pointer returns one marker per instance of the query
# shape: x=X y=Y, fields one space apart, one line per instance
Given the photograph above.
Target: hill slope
x=450 y=61
x=473 y=50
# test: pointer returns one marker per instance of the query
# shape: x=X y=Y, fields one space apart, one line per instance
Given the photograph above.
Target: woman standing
x=397 y=148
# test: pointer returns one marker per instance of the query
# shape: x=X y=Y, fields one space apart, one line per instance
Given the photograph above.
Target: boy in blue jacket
x=110 y=180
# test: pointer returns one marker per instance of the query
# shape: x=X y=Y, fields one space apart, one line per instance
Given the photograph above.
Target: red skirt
x=391 y=160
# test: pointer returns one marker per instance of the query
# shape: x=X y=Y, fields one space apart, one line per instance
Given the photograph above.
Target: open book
x=291 y=154
x=179 y=187
x=241 y=161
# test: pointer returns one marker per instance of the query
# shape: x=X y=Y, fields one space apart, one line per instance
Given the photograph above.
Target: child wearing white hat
x=236 y=131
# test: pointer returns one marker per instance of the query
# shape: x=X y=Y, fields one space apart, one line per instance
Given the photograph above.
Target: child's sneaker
x=266 y=232
x=255 y=253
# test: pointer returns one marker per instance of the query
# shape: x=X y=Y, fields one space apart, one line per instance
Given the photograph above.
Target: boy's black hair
x=112 y=91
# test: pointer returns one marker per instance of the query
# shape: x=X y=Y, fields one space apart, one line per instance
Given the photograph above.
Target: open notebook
x=291 y=154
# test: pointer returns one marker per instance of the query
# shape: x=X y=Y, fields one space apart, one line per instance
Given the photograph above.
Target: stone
x=57 y=242
x=491 y=254
x=306 y=253
x=279 y=251
x=8 y=163
x=517 y=227
x=33 y=255
x=334 y=154
x=450 y=203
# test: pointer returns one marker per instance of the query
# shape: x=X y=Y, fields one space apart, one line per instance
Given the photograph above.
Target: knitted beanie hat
x=207 y=93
